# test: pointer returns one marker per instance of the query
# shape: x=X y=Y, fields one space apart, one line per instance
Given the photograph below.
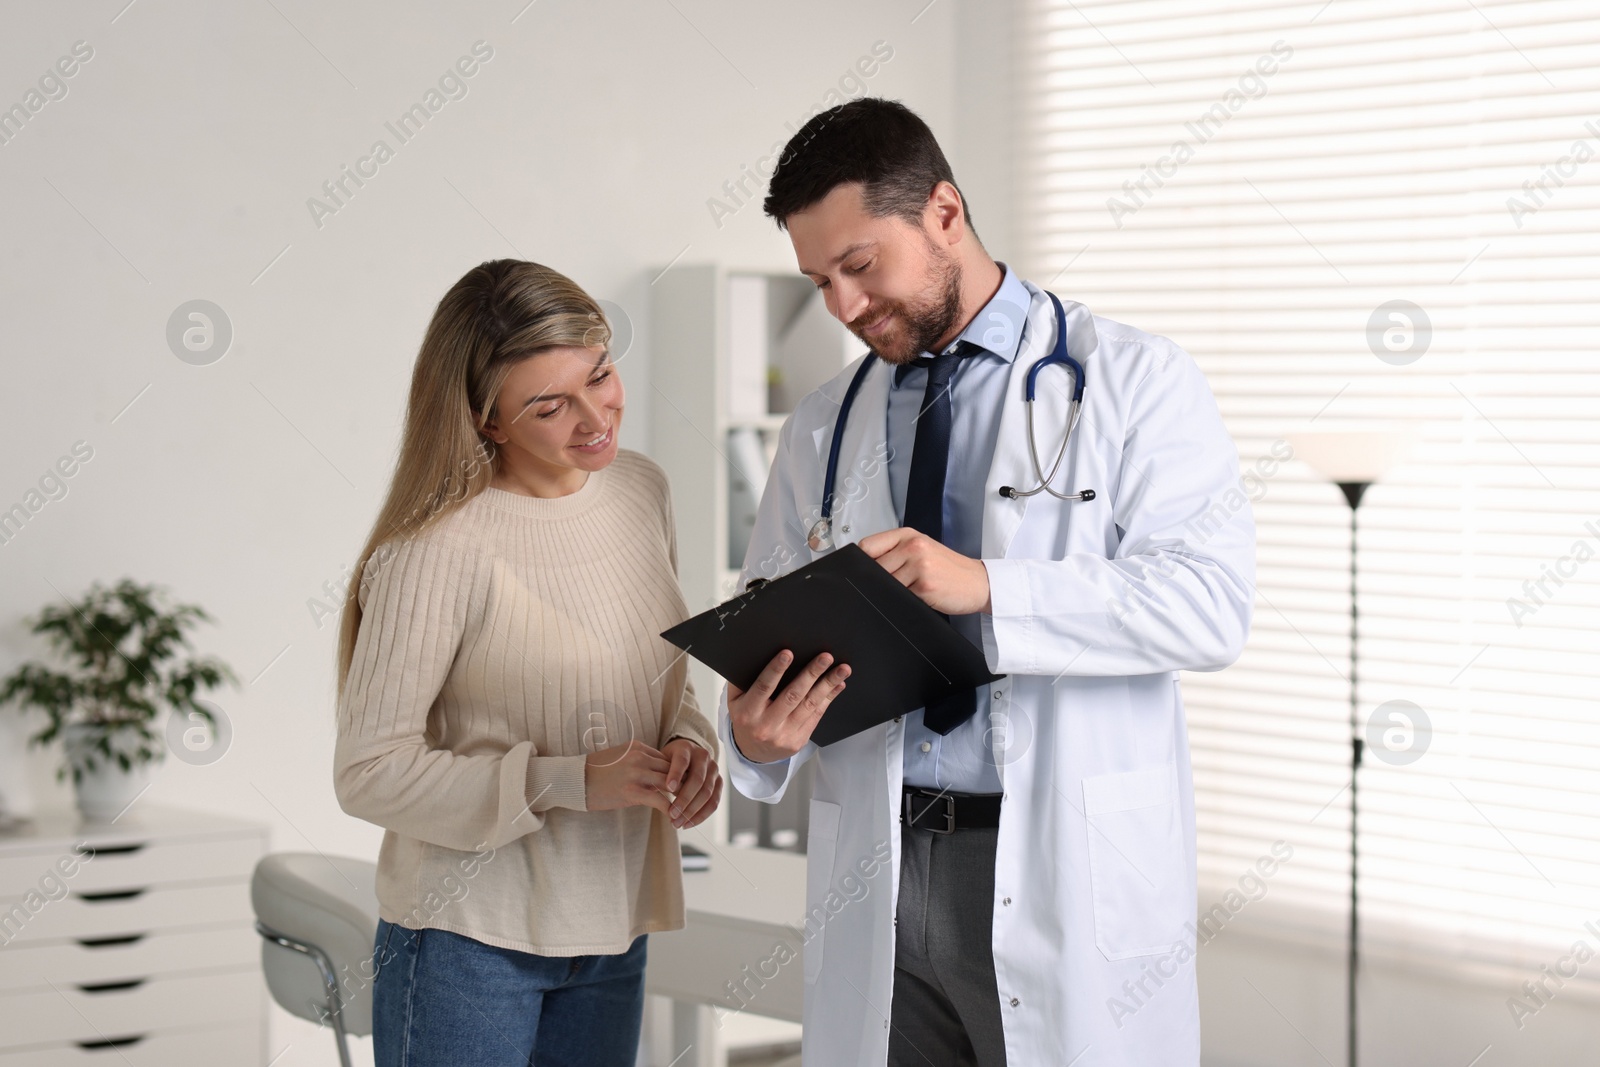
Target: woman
x=507 y=711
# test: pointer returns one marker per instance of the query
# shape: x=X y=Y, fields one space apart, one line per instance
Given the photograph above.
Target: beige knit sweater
x=496 y=650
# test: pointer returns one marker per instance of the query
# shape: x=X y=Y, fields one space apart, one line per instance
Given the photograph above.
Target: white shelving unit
x=720 y=335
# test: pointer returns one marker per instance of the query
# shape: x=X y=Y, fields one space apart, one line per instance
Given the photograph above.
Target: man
x=1040 y=831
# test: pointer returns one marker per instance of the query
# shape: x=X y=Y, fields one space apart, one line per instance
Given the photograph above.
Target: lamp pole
x=1353 y=492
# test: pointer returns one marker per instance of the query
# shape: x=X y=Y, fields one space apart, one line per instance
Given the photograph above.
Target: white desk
x=749 y=903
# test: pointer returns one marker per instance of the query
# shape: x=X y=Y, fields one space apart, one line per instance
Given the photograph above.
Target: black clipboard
x=903 y=655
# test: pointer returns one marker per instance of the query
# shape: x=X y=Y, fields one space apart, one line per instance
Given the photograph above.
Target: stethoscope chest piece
x=821 y=536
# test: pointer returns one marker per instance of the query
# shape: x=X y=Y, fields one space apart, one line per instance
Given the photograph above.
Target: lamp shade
x=1361 y=454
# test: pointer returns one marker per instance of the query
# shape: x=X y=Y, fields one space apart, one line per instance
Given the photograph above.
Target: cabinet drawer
x=233 y=1046
x=104 y=913
x=123 y=864
x=65 y=964
x=72 y=1015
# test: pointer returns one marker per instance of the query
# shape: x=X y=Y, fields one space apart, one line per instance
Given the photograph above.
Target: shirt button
x=998 y=694
x=1006 y=901
x=897 y=718
x=1015 y=1002
x=927 y=746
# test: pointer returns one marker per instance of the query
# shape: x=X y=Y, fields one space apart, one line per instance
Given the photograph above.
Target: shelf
x=773 y=422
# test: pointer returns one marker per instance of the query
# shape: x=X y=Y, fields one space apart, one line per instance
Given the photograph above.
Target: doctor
x=1023 y=856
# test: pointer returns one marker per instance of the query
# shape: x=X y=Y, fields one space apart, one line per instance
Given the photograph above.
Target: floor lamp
x=1352 y=460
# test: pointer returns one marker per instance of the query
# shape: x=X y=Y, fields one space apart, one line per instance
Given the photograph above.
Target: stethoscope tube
x=820 y=535
x=1058 y=354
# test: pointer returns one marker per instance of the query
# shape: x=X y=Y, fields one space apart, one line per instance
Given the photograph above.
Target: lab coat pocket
x=1135 y=846
x=822 y=840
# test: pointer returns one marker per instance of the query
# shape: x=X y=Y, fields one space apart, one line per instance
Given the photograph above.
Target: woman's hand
x=769 y=726
x=626 y=776
x=694 y=782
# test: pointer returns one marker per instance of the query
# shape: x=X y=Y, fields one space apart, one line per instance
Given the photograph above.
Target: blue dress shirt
x=962 y=760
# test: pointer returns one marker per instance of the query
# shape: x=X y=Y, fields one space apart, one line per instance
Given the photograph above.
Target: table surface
x=762 y=888
x=738 y=912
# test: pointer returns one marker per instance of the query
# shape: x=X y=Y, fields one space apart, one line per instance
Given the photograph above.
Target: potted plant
x=121 y=645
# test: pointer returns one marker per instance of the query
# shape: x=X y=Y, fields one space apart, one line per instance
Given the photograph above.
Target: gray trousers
x=946 y=1009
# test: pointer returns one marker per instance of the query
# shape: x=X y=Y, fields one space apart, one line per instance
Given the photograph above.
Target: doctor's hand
x=769 y=726
x=693 y=781
x=946 y=580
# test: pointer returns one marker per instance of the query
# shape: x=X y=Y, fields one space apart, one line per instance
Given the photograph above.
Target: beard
x=918 y=324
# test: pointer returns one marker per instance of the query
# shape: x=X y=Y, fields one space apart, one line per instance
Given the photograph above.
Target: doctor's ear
x=946 y=213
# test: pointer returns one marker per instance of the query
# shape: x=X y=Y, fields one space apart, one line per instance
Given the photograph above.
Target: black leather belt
x=944 y=812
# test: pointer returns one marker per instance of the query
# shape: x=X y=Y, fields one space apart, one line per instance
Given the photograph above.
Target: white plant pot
x=107 y=791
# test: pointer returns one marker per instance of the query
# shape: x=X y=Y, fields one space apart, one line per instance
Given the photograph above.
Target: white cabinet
x=130 y=943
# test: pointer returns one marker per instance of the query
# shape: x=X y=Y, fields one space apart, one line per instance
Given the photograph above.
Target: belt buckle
x=949 y=812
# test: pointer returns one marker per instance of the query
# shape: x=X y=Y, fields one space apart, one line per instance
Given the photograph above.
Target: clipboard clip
x=755 y=583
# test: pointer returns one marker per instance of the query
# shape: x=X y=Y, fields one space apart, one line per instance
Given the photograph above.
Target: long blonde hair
x=498 y=314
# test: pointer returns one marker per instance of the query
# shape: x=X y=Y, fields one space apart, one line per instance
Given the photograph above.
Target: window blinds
x=1262 y=182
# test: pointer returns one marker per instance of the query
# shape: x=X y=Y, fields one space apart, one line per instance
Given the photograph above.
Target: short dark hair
x=880 y=143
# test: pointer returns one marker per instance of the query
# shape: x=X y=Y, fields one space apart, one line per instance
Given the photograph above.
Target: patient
x=507 y=711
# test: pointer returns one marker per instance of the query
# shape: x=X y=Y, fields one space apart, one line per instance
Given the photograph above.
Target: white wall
x=1271 y=999
x=178 y=166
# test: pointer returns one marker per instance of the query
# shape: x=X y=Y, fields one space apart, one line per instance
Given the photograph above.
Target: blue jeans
x=441 y=999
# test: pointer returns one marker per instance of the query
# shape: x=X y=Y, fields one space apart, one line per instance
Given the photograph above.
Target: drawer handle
x=110 y=894
x=111 y=942
x=112 y=987
x=114 y=850
x=112 y=1043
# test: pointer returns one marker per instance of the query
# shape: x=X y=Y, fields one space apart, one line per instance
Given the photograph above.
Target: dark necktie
x=930 y=459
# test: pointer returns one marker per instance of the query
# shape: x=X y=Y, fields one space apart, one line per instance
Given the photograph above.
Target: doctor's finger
x=902 y=562
x=767 y=681
x=794 y=694
x=877 y=544
x=817 y=700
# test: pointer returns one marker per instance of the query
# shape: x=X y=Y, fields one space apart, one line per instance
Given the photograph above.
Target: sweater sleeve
x=692 y=724
x=419 y=598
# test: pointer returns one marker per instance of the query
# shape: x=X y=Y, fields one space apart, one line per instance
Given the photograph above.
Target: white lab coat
x=1097 y=606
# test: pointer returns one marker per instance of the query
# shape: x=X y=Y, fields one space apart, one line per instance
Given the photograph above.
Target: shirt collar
x=997 y=327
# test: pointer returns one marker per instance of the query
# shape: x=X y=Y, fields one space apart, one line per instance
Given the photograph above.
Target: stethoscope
x=820 y=537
